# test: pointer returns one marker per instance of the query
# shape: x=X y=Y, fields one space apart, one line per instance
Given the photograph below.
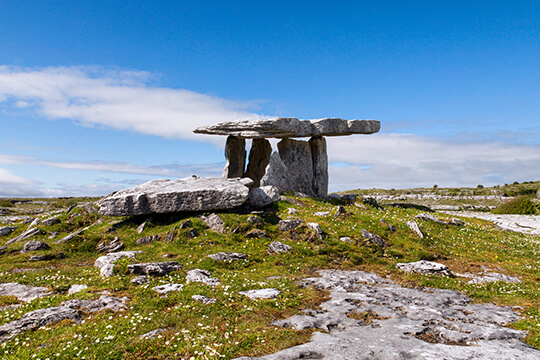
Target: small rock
x=169 y=236
x=370 y=200
x=41 y=257
x=158 y=269
x=72 y=235
x=228 y=256
x=425 y=267
x=261 y=293
x=255 y=220
x=73 y=289
x=257 y=234
x=349 y=198
x=51 y=221
x=456 y=222
x=35 y=246
x=113 y=257
x=286 y=225
x=148 y=239
x=374 y=238
x=110 y=246
x=107 y=270
x=165 y=289
x=25 y=235
x=204 y=276
x=429 y=217
x=34 y=223
x=390 y=226
x=319 y=233
x=333 y=196
x=415 y=229
x=292 y=211
x=277 y=247
x=204 y=299
x=90 y=208
x=6 y=230
x=193 y=233
x=141 y=227
x=345 y=239
x=214 y=222
x=340 y=211
x=152 y=334
x=139 y=280
x=322 y=213
x=263 y=196
x=186 y=224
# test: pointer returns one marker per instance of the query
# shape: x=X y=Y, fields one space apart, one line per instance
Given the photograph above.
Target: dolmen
x=299 y=166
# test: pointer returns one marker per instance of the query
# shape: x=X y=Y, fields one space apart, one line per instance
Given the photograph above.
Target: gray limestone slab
x=235 y=156
x=320 y=166
x=296 y=155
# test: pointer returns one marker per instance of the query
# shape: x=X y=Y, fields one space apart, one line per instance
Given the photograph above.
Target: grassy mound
x=520 y=205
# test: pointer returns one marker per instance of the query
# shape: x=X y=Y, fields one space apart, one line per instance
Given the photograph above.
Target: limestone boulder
x=263 y=196
x=168 y=196
x=425 y=267
x=158 y=269
x=276 y=174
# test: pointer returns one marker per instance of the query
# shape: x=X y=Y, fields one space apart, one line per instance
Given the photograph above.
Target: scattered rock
x=107 y=270
x=152 y=334
x=158 y=269
x=34 y=223
x=374 y=238
x=148 y=239
x=456 y=222
x=255 y=220
x=415 y=229
x=167 y=196
x=369 y=200
x=34 y=245
x=106 y=262
x=257 y=234
x=22 y=292
x=228 y=256
x=322 y=213
x=277 y=247
x=345 y=239
x=204 y=276
x=25 y=235
x=69 y=310
x=319 y=233
x=429 y=217
x=390 y=226
x=287 y=225
x=170 y=235
x=90 y=208
x=214 y=222
x=139 y=280
x=6 y=230
x=72 y=235
x=73 y=289
x=340 y=211
x=167 y=288
x=489 y=277
x=109 y=246
x=42 y=257
x=204 y=299
x=193 y=233
x=141 y=227
x=186 y=224
x=51 y=221
x=292 y=211
x=261 y=293
x=263 y=196
x=425 y=267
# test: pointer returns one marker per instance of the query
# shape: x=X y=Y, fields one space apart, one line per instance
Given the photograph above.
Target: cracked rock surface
x=369 y=317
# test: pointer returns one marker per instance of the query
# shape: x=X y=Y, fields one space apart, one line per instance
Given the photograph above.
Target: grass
x=235 y=325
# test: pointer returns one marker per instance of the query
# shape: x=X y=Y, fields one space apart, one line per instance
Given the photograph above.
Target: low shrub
x=520 y=205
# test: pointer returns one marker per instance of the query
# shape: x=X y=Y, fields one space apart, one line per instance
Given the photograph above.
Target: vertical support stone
x=276 y=174
x=296 y=155
x=235 y=154
x=259 y=157
x=320 y=166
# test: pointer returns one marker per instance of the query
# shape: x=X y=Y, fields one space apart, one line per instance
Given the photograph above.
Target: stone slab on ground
x=168 y=196
x=402 y=323
x=425 y=267
x=290 y=127
x=22 y=292
x=528 y=224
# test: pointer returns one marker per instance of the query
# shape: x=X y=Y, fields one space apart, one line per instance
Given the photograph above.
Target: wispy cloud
x=93 y=96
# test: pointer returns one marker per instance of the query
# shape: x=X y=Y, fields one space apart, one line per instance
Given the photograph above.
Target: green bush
x=5 y=203
x=521 y=205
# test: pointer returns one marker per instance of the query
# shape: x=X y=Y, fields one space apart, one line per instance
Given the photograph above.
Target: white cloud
x=117 y=99
x=403 y=161
x=12 y=185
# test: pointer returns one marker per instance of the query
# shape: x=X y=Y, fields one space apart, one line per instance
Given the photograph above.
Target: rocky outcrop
x=214 y=222
x=415 y=228
x=167 y=288
x=35 y=246
x=277 y=247
x=425 y=267
x=167 y=196
x=22 y=292
x=369 y=317
x=158 y=269
x=287 y=225
x=373 y=238
x=261 y=293
x=6 y=230
x=228 y=256
x=291 y=127
x=203 y=276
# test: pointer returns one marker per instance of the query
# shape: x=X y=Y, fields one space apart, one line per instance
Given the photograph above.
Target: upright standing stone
x=235 y=154
x=259 y=157
x=276 y=174
x=320 y=166
x=296 y=155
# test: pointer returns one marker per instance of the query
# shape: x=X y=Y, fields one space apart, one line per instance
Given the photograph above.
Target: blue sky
x=100 y=95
